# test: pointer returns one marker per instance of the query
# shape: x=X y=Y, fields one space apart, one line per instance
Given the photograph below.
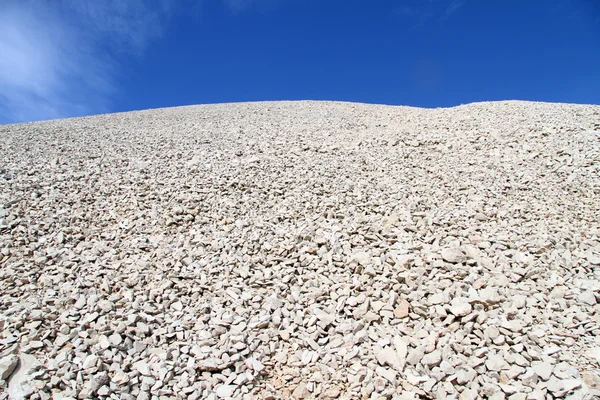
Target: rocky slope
x=303 y=250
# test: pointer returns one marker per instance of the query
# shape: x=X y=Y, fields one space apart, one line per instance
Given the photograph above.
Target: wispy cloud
x=452 y=8
x=60 y=59
x=422 y=11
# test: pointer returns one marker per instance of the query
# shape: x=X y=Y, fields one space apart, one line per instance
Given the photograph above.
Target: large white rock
x=7 y=366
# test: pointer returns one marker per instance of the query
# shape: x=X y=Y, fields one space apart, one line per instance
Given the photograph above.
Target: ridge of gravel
x=303 y=250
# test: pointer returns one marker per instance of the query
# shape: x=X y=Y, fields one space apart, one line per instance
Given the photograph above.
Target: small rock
x=468 y=394
x=36 y=344
x=401 y=350
x=105 y=305
x=490 y=296
x=388 y=356
x=209 y=365
x=120 y=377
x=437 y=298
x=465 y=375
x=363 y=258
x=555 y=386
x=454 y=256
x=537 y=394
x=509 y=389
x=272 y=303
x=564 y=370
x=495 y=363
x=60 y=238
x=103 y=342
x=571 y=384
x=301 y=391
x=7 y=366
x=115 y=339
x=90 y=361
x=593 y=259
x=325 y=318
x=225 y=391
x=142 y=367
x=560 y=387
x=257 y=365
x=332 y=393
x=551 y=350
x=460 y=307
x=513 y=325
x=402 y=309
x=588 y=297
x=387 y=373
x=591 y=379
x=415 y=356
x=432 y=359
x=519 y=301
x=99 y=380
x=543 y=370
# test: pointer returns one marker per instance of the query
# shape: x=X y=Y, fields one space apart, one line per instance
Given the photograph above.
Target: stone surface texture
x=302 y=250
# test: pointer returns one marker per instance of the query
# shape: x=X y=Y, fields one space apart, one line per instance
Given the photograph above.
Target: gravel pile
x=303 y=250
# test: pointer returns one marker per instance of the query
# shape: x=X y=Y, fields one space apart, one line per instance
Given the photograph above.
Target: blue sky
x=62 y=58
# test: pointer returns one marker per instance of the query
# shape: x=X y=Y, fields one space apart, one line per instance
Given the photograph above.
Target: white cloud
x=57 y=59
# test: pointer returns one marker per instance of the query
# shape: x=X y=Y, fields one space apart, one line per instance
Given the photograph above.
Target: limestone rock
x=453 y=255
x=302 y=250
x=7 y=366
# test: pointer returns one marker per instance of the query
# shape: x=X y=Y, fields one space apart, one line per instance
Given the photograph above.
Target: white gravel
x=303 y=250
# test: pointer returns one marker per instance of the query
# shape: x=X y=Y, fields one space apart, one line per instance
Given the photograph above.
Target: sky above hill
x=68 y=58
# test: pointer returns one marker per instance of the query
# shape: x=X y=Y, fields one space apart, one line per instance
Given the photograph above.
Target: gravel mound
x=303 y=250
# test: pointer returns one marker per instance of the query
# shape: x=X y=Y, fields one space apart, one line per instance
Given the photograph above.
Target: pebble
x=301 y=392
x=460 y=307
x=543 y=370
x=225 y=391
x=593 y=259
x=90 y=361
x=560 y=387
x=495 y=363
x=468 y=394
x=402 y=309
x=453 y=256
x=465 y=375
x=432 y=359
x=332 y=393
x=401 y=351
x=142 y=367
x=588 y=298
x=388 y=356
x=414 y=356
